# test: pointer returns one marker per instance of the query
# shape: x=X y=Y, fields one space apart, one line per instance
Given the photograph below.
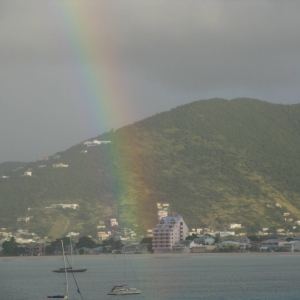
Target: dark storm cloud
x=169 y=53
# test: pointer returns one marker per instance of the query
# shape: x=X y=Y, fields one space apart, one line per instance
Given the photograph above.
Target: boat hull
x=64 y=297
x=124 y=292
x=70 y=270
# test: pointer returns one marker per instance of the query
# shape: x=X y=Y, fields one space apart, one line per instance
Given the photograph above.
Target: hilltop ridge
x=215 y=161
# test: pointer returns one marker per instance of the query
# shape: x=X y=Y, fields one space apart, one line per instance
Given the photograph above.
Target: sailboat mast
x=62 y=245
x=125 y=271
x=71 y=246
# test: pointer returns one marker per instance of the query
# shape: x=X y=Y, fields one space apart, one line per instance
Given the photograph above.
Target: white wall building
x=168 y=232
x=234 y=225
x=60 y=165
x=73 y=206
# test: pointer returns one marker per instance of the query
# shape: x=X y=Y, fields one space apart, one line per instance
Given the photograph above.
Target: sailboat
x=69 y=269
x=66 y=296
x=124 y=289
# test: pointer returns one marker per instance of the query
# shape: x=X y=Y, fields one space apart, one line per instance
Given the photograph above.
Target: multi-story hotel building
x=168 y=232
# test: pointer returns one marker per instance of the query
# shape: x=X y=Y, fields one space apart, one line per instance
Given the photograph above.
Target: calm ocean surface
x=194 y=277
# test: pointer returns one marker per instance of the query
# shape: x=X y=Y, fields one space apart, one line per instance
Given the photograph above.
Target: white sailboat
x=124 y=289
x=66 y=295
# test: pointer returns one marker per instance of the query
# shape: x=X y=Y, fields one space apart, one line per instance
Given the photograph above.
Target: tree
x=10 y=248
x=191 y=237
x=85 y=241
x=147 y=240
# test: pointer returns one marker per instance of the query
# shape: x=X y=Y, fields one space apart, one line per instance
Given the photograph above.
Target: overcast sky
x=150 y=56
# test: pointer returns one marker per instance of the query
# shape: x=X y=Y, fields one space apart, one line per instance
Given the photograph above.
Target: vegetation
x=215 y=161
x=10 y=248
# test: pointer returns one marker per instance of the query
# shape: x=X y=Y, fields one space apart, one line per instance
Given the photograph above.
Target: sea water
x=240 y=276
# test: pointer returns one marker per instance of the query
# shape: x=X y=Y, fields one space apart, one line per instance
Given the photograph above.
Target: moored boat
x=121 y=290
x=68 y=270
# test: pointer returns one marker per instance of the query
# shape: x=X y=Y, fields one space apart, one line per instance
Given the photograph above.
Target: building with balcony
x=168 y=232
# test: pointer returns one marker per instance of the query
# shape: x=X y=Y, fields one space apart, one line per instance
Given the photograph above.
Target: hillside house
x=73 y=206
x=95 y=142
x=286 y=214
x=27 y=173
x=60 y=165
x=26 y=219
x=70 y=234
x=234 y=225
x=102 y=234
x=114 y=222
x=149 y=232
x=162 y=214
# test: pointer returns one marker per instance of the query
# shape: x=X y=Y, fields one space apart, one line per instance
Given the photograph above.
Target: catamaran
x=124 y=289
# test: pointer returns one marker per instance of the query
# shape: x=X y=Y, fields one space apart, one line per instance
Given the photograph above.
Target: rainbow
x=93 y=75
x=95 y=65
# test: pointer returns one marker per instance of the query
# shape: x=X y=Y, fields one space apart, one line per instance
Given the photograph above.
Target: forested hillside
x=215 y=161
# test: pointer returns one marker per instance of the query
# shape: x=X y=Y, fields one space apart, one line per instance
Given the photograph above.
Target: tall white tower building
x=168 y=231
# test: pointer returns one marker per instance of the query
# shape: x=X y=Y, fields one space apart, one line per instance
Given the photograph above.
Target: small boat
x=121 y=290
x=66 y=296
x=70 y=269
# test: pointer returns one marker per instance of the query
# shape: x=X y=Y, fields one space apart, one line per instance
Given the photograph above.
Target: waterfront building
x=168 y=232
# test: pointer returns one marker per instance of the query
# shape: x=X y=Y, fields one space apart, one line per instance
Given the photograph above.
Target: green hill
x=8 y=166
x=215 y=161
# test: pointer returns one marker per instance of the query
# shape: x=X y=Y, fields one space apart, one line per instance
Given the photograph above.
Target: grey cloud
x=162 y=53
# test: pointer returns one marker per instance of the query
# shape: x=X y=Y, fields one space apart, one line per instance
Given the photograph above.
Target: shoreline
x=157 y=255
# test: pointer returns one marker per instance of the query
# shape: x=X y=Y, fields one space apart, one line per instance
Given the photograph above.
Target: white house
x=27 y=173
x=73 y=206
x=25 y=219
x=162 y=214
x=234 y=225
x=168 y=232
x=95 y=142
x=60 y=165
x=113 y=222
x=227 y=244
x=226 y=233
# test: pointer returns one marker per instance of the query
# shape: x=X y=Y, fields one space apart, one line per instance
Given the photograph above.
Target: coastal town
x=170 y=235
